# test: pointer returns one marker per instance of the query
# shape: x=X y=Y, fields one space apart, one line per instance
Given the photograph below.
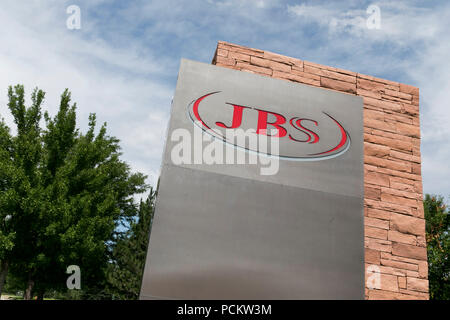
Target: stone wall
x=395 y=247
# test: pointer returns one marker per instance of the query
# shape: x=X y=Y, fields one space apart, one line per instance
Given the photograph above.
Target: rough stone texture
x=394 y=218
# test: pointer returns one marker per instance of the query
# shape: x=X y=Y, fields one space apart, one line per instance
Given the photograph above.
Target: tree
x=129 y=253
x=7 y=198
x=438 y=245
x=22 y=180
x=69 y=192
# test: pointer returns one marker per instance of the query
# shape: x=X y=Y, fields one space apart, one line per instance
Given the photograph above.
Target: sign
x=299 y=130
x=224 y=228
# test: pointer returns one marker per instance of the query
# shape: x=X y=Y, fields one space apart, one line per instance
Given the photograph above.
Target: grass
x=7 y=296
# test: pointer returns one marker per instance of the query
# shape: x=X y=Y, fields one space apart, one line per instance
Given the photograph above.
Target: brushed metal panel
x=227 y=232
x=224 y=237
x=341 y=175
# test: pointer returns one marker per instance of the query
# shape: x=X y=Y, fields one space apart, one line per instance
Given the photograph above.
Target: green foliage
x=438 y=246
x=7 y=192
x=129 y=252
x=63 y=195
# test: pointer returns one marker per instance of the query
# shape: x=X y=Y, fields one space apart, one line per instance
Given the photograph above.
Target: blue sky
x=123 y=62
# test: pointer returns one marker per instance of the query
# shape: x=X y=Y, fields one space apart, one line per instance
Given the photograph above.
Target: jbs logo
x=314 y=136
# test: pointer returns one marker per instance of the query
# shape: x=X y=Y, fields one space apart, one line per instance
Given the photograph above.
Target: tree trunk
x=29 y=290
x=3 y=272
x=40 y=295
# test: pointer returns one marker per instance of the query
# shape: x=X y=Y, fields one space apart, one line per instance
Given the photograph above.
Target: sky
x=122 y=63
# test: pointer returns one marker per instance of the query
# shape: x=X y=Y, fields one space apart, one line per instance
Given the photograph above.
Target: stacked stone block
x=395 y=246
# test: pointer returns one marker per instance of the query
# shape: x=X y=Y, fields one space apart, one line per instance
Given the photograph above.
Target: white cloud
x=243 y=3
x=330 y=16
x=431 y=74
x=400 y=21
x=318 y=13
x=119 y=84
x=420 y=31
x=120 y=63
